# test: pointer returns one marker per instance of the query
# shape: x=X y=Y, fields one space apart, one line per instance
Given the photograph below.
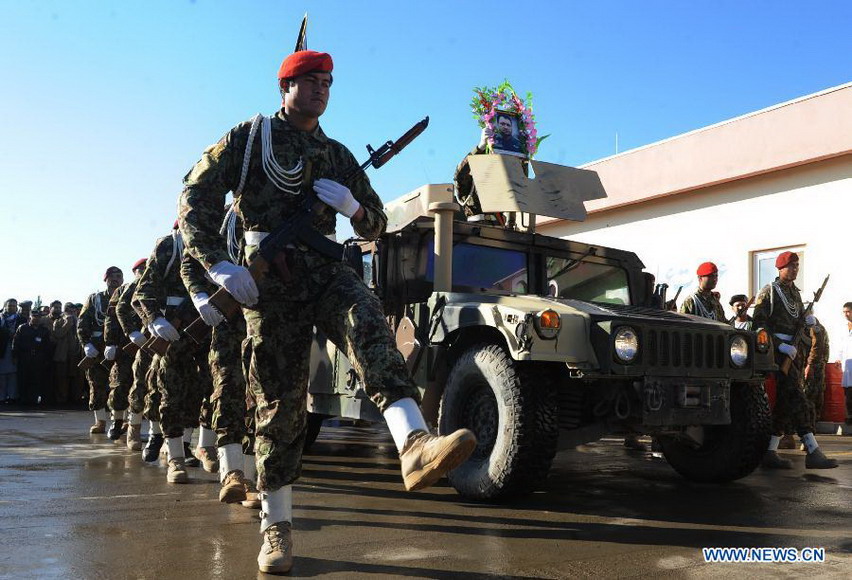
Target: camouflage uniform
x=153 y=398
x=121 y=372
x=817 y=359
x=90 y=328
x=182 y=375
x=228 y=400
x=704 y=304
x=319 y=290
x=793 y=412
x=131 y=322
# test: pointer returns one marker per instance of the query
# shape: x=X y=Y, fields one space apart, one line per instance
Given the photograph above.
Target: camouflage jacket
x=90 y=325
x=160 y=285
x=771 y=312
x=818 y=354
x=704 y=305
x=128 y=317
x=261 y=205
x=113 y=333
x=194 y=276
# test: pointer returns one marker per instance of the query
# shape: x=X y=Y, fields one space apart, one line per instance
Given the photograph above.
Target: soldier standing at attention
x=90 y=332
x=295 y=159
x=777 y=309
x=182 y=375
x=704 y=302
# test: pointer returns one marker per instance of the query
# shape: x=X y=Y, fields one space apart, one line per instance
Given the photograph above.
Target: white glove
x=164 y=329
x=236 y=280
x=110 y=351
x=208 y=312
x=810 y=320
x=788 y=349
x=337 y=196
x=485 y=136
x=90 y=350
x=137 y=338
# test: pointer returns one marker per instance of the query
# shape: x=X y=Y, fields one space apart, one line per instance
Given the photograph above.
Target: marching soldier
x=704 y=302
x=182 y=375
x=135 y=331
x=815 y=368
x=777 y=309
x=296 y=159
x=121 y=372
x=90 y=331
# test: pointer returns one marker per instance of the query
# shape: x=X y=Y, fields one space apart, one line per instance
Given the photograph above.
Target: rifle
x=743 y=310
x=672 y=304
x=269 y=252
x=88 y=362
x=181 y=315
x=799 y=333
x=130 y=349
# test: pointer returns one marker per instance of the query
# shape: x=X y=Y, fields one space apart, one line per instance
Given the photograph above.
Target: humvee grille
x=685 y=349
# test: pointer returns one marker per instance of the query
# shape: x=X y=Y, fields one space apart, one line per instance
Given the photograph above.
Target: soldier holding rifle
x=90 y=332
x=294 y=159
x=779 y=310
x=704 y=302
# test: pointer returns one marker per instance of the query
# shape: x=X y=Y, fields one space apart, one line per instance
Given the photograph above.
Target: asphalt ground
x=74 y=505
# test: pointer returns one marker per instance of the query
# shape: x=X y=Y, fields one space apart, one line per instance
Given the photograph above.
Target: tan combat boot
x=98 y=428
x=787 y=442
x=816 y=459
x=134 y=437
x=426 y=458
x=252 y=500
x=209 y=459
x=177 y=471
x=233 y=487
x=276 y=554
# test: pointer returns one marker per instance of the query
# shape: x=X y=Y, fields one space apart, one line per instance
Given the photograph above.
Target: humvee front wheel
x=728 y=452
x=511 y=408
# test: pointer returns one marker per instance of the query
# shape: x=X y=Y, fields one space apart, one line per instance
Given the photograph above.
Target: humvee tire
x=729 y=452
x=511 y=407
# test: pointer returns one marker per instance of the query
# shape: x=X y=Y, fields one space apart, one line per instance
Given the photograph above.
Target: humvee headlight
x=547 y=323
x=626 y=344
x=762 y=341
x=739 y=351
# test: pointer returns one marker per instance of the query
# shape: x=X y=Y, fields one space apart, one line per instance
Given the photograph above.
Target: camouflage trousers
x=98 y=378
x=183 y=379
x=327 y=295
x=136 y=397
x=229 y=401
x=815 y=390
x=152 y=392
x=793 y=412
x=120 y=382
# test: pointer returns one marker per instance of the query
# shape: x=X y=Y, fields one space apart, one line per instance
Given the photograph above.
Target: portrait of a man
x=506 y=134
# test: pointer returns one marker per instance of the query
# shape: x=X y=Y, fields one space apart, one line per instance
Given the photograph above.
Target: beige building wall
x=807 y=205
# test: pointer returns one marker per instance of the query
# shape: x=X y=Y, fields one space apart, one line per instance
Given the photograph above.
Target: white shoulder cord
x=792 y=309
x=229 y=231
x=703 y=312
x=247 y=156
x=287 y=180
x=100 y=315
x=177 y=250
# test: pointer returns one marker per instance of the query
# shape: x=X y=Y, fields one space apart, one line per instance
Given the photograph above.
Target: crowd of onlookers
x=39 y=353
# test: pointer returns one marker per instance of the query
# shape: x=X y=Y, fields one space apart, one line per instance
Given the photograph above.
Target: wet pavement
x=74 y=505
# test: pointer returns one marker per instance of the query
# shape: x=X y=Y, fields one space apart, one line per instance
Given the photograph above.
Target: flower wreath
x=488 y=101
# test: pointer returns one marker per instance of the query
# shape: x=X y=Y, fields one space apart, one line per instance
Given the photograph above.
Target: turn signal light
x=763 y=342
x=547 y=324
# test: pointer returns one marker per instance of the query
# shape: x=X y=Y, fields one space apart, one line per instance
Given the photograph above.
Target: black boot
x=116 y=429
x=190 y=460
x=151 y=452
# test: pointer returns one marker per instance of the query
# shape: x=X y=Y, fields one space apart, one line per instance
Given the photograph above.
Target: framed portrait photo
x=507 y=134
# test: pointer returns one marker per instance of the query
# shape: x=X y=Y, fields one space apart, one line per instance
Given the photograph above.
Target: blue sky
x=105 y=106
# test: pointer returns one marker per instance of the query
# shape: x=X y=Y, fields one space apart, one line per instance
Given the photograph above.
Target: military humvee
x=540 y=344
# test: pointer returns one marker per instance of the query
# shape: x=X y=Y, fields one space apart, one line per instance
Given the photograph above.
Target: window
x=587 y=281
x=763 y=267
x=485 y=268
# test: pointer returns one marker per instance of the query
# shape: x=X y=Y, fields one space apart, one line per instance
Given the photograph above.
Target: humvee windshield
x=485 y=268
x=587 y=281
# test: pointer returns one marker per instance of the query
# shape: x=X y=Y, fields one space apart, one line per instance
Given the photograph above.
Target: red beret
x=305 y=61
x=785 y=258
x=111 y=270
x=707 y=268
x=175 y=225
x=140 y=263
